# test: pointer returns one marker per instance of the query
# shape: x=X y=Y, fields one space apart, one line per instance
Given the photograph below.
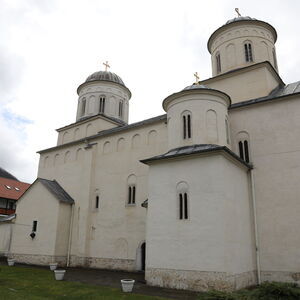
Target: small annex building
x=205 y=196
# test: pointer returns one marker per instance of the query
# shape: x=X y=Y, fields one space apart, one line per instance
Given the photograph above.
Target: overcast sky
x=49 y=47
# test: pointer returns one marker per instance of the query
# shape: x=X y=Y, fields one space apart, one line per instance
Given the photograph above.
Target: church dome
x=238 y=19
x=196 y=87
x=105 y=76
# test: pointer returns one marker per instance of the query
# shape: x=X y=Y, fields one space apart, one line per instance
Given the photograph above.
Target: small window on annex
x=183 y=201
x=34 y=226
x=97 y=202
x=248 y=52
x=275 y=59
x=101 y=104
x=218 y=62
x=187 y=125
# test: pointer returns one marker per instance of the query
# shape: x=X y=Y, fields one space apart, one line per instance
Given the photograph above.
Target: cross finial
x=106 y=65
x=197 y=78
x=237 y=11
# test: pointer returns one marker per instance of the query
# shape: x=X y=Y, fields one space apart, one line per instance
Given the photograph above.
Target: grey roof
x=238 y=19
x=105 y=76
x=90 y=117
x=7 y=218
x=5 y=174
x=195 y=149
x=56 y=190
x=279 y=92
x=113 y=130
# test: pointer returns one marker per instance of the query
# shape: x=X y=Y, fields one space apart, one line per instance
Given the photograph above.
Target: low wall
x=5 y=238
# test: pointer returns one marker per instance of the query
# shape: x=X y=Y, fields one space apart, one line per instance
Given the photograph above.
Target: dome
x=105 y=76
x=195 y=86
x=240 y=19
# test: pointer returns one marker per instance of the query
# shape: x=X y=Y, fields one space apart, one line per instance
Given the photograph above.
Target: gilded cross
x=106 y=66
x=197 y=78
x=237 y=11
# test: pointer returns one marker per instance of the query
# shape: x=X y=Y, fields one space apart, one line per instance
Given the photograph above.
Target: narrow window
x=34 y=226
x=246 y=151
x=131 y=194
x=183 y=206
x=227 y=131
x=248 y=52
x=218 y=61
x=83 y=104
x=102 y=105
x=275 y=59
x=180 y=206
x=97 y=202
x=187 y=128
x=120 y=109
x=184 y=127
x=241 y=150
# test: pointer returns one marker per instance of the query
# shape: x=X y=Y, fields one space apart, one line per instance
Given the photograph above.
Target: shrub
x=277 y=290
x=217 y=295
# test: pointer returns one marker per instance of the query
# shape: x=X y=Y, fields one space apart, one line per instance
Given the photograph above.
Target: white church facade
x=205 y=196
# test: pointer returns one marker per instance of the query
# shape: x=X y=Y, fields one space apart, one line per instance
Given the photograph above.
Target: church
x=203 y=197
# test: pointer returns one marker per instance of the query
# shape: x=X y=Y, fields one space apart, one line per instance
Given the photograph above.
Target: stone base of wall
x=103 y=263
x=35 y=259
x=199 y=281
x=281 y=276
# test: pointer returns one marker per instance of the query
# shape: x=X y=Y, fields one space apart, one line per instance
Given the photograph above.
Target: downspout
x=70 y=235
x=255 y=225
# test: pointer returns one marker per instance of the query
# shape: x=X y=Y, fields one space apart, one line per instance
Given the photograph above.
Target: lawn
x=36 y=283
x=33 y=283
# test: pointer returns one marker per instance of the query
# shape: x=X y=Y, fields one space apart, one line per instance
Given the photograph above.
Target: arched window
x=183 y=199
x=248 y=52
x=218 y=62
x=187 y=125
x=275 y=59
x=83 y=104
x=101 y=104
x=120 y=109
x=131 y=197
x=244 y=150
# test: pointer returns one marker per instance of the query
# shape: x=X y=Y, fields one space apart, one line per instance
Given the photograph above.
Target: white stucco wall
x=5 y=237
x=217 y=237
x=37 y=204
x=275 y=154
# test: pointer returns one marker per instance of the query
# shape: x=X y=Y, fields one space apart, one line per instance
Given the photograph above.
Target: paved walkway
x=112 y=279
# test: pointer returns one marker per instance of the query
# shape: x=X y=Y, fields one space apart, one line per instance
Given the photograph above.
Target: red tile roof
x=16 y=189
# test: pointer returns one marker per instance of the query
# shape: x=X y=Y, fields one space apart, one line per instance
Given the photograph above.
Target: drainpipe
x=255 y=225
x=70 y=235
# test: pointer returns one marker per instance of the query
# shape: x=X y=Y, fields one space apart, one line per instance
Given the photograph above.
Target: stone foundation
x=103 y=263
x=35 y=259
x=199 y=281
x=281 y=276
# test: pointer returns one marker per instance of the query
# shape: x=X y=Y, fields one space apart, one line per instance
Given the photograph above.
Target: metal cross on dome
x=237 y=11
x=106 y=65
x=197 y=78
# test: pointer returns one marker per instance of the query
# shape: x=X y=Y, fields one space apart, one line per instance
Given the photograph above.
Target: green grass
x=32 y=283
